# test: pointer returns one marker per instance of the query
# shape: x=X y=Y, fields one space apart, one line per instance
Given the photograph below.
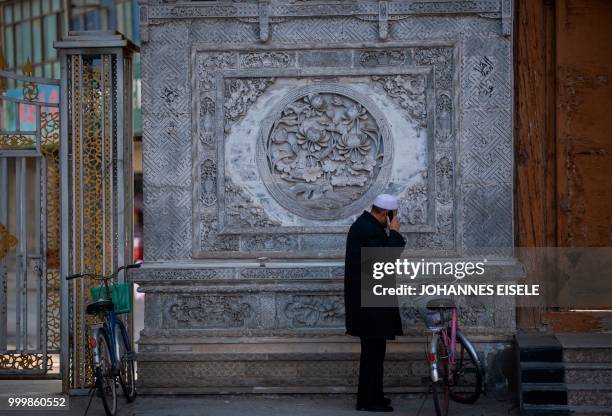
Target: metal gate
x=29 y=226
x=96 y=181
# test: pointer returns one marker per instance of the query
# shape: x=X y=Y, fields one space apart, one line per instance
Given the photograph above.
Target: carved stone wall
x=269 y=125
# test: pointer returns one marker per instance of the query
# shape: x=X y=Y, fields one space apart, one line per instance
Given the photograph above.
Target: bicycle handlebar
x=102 y=277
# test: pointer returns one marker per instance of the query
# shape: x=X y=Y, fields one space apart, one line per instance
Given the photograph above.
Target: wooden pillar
x=535 y=138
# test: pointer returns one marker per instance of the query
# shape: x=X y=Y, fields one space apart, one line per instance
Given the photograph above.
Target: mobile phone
x=390 y=215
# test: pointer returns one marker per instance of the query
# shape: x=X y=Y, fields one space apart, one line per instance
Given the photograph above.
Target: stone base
x=238 y=327
x=286 y=364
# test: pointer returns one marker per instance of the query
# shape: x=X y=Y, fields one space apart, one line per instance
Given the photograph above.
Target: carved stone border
x=399 y=8
x=185 y=10
x=265 y=14
x=229 y=61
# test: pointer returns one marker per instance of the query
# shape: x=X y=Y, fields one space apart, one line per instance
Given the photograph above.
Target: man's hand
x=394 y=224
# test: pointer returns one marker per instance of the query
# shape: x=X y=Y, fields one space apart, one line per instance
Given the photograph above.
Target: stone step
x=565 y=410
x=542 y=372
x=545 y=410
x=587 y=355
x=543 y=393
x=566 y=374
x=586 y=348
x=539 y=348
x=576 y=373
x=591 y=394
x=588 y=373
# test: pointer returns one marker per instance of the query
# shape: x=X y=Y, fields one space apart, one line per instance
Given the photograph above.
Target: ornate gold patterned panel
x=93 y=193
x=94 y=220
x=17 y=141
x=50 y=147
x=25 y=361
x=94 y=168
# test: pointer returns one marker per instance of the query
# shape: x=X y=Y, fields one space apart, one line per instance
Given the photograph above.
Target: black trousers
x=370 y=390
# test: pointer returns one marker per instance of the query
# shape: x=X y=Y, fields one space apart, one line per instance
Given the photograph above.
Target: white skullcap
x=386 y=201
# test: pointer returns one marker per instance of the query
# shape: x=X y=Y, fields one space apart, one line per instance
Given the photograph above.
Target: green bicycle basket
x=121 y=295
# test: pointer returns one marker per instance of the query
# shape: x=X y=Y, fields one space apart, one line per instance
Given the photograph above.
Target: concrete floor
x=251 y=405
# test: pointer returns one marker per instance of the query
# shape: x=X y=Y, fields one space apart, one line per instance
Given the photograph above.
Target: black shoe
x=385 y=401
x=375 y=408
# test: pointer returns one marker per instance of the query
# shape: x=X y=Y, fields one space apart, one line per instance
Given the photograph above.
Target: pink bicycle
x=456 y=370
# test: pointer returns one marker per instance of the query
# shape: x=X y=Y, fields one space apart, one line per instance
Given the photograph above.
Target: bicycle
x=113 y=358
x=455 y=368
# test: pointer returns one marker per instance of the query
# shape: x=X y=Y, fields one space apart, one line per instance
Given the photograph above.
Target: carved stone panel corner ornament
x=324 y=150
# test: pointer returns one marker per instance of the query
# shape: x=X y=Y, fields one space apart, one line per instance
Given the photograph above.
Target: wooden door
x=564 y=135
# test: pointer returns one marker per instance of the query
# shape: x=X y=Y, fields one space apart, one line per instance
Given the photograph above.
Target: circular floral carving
x=325 y=152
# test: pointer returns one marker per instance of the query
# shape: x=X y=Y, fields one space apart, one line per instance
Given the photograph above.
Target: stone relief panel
x=409 y=92
x=406 y=157
x=293 y=309
x=213 y=91
x=325 y=149
x=214 y=77
x=266 y=59
x=221 y=312
x=278 y=154
x=239 y=95
x=485 y=80
x=241 y=209
x=210 y=311
x=315 y=311
x=167 y=156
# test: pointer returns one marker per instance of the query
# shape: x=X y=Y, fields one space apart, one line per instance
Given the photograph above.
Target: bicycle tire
x=105 y=380
x=471 y=364
x=126 y=363
x=440 y=389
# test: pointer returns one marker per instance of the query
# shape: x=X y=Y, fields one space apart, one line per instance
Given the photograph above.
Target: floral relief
x=324 y=150
x=209 y=312
x=239 y=95
x=413 y=204
x=313 y=311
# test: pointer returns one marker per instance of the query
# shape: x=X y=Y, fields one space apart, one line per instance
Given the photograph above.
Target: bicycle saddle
x=99 y=306
x=440 y=303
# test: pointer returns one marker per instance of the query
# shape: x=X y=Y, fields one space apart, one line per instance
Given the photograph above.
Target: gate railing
x=66 y=191
x=29 y=226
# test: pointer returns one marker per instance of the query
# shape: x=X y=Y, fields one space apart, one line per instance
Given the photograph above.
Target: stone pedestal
x=268 y=127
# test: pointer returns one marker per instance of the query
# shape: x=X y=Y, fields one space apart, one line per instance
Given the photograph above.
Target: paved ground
x=251 y=405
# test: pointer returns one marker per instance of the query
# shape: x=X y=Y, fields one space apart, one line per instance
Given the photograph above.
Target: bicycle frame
x=433 y=352
x=450 y=342
x=95 y=331
x=109 y=325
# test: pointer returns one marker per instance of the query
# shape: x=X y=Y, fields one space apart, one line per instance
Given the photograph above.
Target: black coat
x=371 y=322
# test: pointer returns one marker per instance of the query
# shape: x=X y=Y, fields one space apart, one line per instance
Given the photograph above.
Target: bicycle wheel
x=440 y=389
x=465 y=381
x=105 y=380
x=126 y=366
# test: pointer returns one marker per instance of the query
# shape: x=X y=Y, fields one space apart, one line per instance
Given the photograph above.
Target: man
x=374 y=325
